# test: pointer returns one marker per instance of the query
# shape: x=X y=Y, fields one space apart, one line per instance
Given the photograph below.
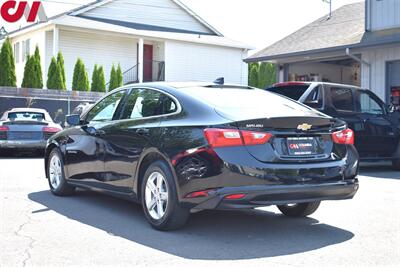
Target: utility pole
x=330 y=7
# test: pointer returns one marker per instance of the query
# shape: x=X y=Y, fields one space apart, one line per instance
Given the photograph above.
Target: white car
x=26 y=128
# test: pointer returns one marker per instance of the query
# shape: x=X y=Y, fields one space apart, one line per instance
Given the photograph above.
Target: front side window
x=342 y=98
x=370 y=105
x=315 y=98
x=106 y=108
x=143 y=103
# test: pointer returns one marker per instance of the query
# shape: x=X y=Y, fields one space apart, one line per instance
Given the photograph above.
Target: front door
x=379 y=137
x=148 y=63
x=85 y=148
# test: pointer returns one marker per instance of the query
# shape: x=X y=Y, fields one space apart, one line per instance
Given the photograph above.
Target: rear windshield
x=242 y=103
x=35 y=116
x=292 y=91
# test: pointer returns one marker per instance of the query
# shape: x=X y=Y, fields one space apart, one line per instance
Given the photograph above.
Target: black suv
x=377 y=129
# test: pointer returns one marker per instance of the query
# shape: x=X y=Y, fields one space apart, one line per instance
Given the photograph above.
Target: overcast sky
x=255 y=22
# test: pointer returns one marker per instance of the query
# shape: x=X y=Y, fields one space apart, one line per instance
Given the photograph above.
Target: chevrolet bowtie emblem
x=304 y=127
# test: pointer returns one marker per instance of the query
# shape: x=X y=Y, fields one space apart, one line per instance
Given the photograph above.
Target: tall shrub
x=263 y=75
x=120 y=80
x=113 y=79
x=80 y=80
x=7 y=65
x=101 y=87
x=253 y=76
x=54 y=76
x=27 y=81
x=98 y=79
x=93 y=87
x=60 y=62
x=37 y=70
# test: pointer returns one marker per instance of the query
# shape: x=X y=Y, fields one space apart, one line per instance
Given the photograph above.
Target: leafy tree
x=54 y=76
x=60 y=62
x=253 y=76
x=80 y=80
x=7 y=65
x=113 y=79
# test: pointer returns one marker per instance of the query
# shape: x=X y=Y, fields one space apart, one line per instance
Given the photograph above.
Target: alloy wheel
x=156 y=195
x=55 y=171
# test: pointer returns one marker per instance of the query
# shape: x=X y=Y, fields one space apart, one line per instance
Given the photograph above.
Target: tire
x=166 y=213
x=299 y=210
x=396 y=164
x=56 y=176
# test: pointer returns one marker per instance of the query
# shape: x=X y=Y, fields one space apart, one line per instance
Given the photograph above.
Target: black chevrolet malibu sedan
x=181 y=148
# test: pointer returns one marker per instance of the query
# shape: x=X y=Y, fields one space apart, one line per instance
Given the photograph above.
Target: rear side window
x=292 y=91
x=342 y=98
x=143 y=103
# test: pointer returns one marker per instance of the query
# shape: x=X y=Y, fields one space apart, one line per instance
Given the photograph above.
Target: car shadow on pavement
x=211 y=235
x=380 y=171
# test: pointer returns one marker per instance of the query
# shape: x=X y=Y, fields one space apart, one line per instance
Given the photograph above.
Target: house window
x=25 y=49
x=16 y=52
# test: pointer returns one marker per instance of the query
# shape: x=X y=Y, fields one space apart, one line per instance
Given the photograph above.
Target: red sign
x=13 y=11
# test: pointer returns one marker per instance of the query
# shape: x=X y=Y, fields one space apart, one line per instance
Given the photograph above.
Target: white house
x=153 y=40
x=359 y=44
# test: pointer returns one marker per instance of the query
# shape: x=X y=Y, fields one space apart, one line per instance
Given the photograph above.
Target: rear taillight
x=232 y=137
x=4 y=128
x=344 y=137
x=50 y=130
x=255 y=138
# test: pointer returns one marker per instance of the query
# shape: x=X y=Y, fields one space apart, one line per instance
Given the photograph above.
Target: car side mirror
x=73 y=120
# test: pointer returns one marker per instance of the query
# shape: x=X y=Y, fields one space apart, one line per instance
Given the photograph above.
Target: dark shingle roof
x=345 y=27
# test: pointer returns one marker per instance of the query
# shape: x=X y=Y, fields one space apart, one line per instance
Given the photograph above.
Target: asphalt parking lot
x=39 y=229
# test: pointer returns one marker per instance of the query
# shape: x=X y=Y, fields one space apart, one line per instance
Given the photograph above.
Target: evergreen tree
x=37 y=75
x=60 y=62
x=27 y=81
x=80 y=80
x=120 y=78
x=271 y=75
x=7 y=65
x=101 y=79
x=95 y=80
x=253 y=76
x=113 y=79
x=263 y=75
x=54 y=76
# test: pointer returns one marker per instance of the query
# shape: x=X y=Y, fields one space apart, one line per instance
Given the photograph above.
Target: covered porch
x=141 y=59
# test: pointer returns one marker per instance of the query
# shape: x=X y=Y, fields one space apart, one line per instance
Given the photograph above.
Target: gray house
x=359 y=45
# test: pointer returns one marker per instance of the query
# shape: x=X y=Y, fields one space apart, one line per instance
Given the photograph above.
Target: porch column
x=140 y=60
x=55 y=41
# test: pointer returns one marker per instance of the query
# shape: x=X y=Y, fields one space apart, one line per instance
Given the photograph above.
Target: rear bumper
x=265 y=195
x=23 y=144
